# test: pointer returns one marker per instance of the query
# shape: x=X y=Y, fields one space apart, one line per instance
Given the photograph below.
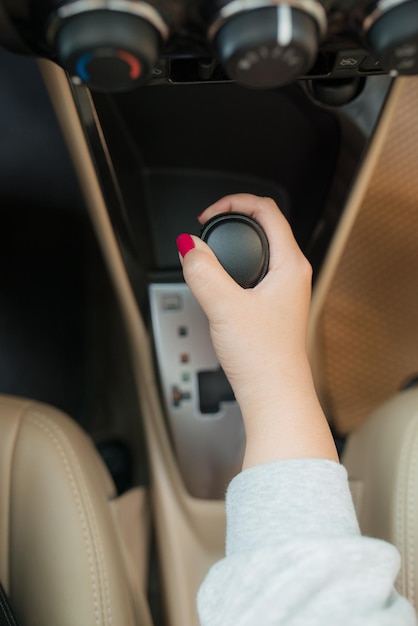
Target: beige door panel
x=363 y=332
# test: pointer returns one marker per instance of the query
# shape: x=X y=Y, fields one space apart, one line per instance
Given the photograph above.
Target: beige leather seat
x=71 y=552
x=382 y=463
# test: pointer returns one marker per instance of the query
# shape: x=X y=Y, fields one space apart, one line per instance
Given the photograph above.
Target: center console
x=184 y=102
x=165 y=152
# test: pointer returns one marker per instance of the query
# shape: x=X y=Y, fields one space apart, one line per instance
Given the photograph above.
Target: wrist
x=281 y=384
x=283 y=419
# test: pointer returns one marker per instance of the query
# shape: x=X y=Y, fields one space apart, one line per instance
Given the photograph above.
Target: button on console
x=349 y=59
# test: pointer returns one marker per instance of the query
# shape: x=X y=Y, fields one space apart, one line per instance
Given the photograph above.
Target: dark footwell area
x=43 y=236
x=62 y=339
x=42 y=305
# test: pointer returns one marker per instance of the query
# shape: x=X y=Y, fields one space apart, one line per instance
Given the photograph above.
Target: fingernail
x=184 y=244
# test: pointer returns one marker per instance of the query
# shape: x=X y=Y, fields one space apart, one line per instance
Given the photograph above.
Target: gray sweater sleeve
x=295 y=556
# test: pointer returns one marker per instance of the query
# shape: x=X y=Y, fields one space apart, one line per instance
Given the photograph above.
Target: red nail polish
x=184 y=244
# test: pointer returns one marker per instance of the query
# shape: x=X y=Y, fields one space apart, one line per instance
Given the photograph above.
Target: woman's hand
x=259 y=334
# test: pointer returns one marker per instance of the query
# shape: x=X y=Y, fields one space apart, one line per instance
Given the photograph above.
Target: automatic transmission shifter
x=240 y=245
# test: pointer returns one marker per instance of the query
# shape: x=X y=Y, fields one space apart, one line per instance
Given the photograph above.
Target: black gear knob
x=241 y=246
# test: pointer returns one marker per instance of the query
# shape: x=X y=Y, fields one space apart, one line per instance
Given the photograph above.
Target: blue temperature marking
x=81 y=66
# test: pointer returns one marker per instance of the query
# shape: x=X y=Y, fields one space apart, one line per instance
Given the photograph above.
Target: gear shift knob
x=241 y=246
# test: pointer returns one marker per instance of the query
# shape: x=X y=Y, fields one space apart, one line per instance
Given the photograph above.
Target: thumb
x=210 y=284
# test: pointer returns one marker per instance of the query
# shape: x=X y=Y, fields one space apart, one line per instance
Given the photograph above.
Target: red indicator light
x=134 y=64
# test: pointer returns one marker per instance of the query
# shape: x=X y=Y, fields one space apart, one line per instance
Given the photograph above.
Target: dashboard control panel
x=115 y=45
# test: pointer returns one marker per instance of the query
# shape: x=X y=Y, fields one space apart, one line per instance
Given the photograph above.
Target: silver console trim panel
x=209 y=447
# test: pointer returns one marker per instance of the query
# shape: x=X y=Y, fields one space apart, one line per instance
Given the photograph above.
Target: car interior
x=121 y=120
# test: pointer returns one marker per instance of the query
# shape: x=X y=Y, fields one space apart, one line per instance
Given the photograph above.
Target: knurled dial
x=268 y=46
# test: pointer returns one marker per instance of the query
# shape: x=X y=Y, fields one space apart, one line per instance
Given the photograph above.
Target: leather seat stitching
x=412 y=469
x=405 y=509
x=85 y=512
x=6 y=581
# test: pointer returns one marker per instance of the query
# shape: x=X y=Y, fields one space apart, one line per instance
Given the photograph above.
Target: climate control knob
x=392 y=36
x=268 y=46
x=106 y=48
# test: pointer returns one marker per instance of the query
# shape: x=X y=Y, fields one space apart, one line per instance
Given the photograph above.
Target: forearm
x=283 y=418
x=259 y=336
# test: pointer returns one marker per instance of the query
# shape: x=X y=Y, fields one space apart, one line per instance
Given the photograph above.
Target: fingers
x=241 y=203
x=267 y=214
x=207 y=279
